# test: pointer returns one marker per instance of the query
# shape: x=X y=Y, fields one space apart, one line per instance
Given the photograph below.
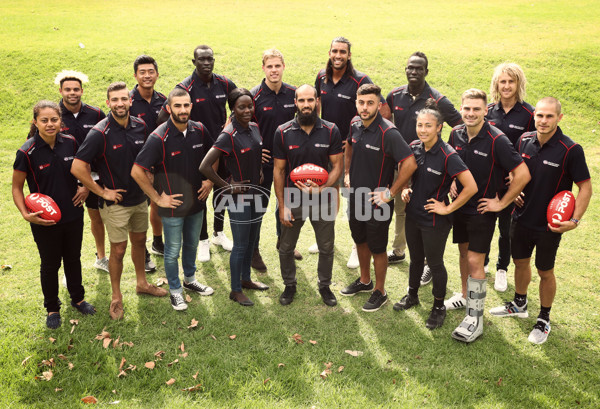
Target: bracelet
x=576 y=221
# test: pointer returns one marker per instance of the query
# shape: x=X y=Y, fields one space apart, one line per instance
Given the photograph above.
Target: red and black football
x=36 y=202
x=561 y=207
x=309 y=171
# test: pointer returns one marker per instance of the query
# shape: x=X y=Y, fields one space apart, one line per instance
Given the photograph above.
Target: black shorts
x=373 y=231
x=523 y=241
x=92 y=201
x=476 y=229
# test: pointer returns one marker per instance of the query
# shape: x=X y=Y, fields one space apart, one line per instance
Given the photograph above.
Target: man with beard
x=273 y=106
x=375 y=150
x=175 y=150
x=113 y=144
x=306 y=139
x=405 y=102
x=146 y=104
x=78 y=118
x=336 y=87
x=208 y=92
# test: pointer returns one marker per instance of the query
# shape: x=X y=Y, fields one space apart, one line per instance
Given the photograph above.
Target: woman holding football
x=240 y=146
x=44 y=161
x=428 y=209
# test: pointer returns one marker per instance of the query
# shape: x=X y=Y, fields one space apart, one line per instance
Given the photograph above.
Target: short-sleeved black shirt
x=404 y=109
x=271 y=110
x=176 y=160
x=293 y=145
x=488 y=156
x=338 y=101
x=208 y=103
x=376 y=152
x=49 y=171
x=144 y=110
x=242 y=151
x=114 y=149
x=80 y=125
x=514 y=123
x=436 y=168
x=553 y=167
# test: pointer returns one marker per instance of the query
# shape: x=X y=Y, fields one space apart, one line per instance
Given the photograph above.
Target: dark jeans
x=61 y=242
x=245 y=222
x=325 y=235
x=430 y=243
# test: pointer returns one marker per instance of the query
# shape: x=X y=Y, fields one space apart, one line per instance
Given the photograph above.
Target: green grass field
x=403 y=364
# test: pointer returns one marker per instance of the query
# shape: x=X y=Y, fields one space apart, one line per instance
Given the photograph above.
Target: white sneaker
x=500 y=284
x=178 y=303
x=314 y=249
x=221 y=240
x=540 y=332
x=457 y=301
x=101 y=263
x=486 y=270
x=64 y=281
x=204 y=251
x=353 y=259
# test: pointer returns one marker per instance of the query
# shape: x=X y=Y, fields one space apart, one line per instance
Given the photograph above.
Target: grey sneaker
x=199 y=288
x=426 y=276
x=149 y=265
x=510 y=309
x=357 y=287
x=101 y=263
x=540 y=332
x=177 y=302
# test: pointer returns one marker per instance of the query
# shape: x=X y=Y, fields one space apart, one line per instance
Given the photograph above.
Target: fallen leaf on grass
x=74 y=322
x=131 y=368
x=170 y=381
x=161 y=280
x=213 y=337
x=71 y=366
x=114 y=402
x=52 y=340
x=123 y=360
x=46 y=362
x=72 y=329
x=150 y=365
x=61 y=356
x=25 y=360
x=394 y=381
x=340 y=369
x=195 y=375
x=103 y=334
x=325 y=373
x=57 y=389
x=192 y=388
x=232 y=336
x=182 y=347
x=313 y=342
x=47 y=375
x=116 y=342
x=172 y=363
x=298 y=338
x=184 y=355
x=328 y=365
x=354 y=353
x=106 y=342
x=499 y=383
x=266 y=380
x=114 y=391
x=122 y=373
x=188 y=298
x=159 y=354
x=193 y=324
x=129 y=344
x=280 y=365
x=418 y=357
x=89 y=399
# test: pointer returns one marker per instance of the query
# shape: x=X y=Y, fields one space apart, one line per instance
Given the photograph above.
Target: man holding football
x=555 y=162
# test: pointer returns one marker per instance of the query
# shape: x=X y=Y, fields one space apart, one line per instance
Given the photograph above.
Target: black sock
x=413 y=292
x=545 y=313
x=520 y=299
x=439 y=304
x=157 y=239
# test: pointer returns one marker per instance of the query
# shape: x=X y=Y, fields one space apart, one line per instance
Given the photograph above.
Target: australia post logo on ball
x=561 y=207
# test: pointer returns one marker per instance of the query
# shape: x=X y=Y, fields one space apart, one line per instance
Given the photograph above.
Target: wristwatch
x=388 y=194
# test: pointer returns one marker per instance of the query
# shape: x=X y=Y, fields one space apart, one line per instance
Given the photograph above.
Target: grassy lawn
x=401 y=363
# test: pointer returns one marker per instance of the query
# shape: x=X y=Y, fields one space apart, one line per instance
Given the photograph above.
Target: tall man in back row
x=208 y=92
x=555 y=162
x=336 y=88
x=405 y=102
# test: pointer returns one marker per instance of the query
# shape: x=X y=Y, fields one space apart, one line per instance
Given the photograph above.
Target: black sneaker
x=426 y=276
x=158 y=248
x=288 y=295
x=436 y=318
x=394 y=259
x=53 y=321
x=84 y=308
x=357 y=287
x=327 y=296
x=149 y=265
x=375 y=302
x=199 y=288
x=177 y=302
x=408 y=301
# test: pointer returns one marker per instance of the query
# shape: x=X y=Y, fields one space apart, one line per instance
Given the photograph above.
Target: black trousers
x=61 y=242
x=427 y=243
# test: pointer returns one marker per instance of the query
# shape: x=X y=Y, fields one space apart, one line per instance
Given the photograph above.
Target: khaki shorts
x=120 y=220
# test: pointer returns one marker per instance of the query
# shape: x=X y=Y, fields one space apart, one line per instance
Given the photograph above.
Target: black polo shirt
x=144 y=110
x=176 y=160
x=553 y=167
x=488 y=156
x=514 y=123
x=114 y=149
x=49 y=171
x=338 y=101
x=405 y=109
x=80 y=125
x=293 y=145
x=271 y=110
x=436 y=169
x=242 y=151
x=376 y=152
x=208 y=103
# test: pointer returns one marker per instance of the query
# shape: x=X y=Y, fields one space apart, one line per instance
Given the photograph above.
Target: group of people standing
x=503 y=161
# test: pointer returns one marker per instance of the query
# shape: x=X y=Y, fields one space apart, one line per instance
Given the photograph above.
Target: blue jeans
x=245 y=223
x=177 y=230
